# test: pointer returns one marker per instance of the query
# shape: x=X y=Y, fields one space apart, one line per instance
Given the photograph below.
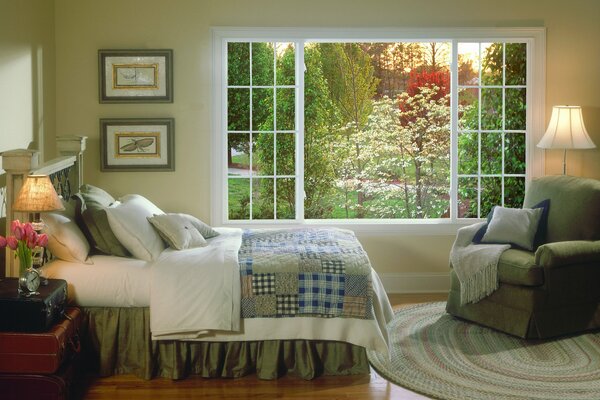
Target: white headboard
x=20 y=163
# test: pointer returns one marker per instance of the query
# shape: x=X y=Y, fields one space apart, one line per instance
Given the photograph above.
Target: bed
x=271 y=302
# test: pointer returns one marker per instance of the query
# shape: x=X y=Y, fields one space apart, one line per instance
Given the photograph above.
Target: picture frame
x=137 y=144
x=135 y=76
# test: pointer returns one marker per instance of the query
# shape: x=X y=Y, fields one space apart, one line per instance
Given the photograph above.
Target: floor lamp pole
x=565 y=162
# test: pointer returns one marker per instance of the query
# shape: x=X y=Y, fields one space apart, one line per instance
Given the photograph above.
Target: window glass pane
x=467 y=197
x=286 y=68
x=238 y=109
x=514 y=153
x=262 y=109
x=516 y=63
x=468 y=153
x=286 y=199
x=492 y=62
x=238 y=64
x=468 y=109
x=263 y=58
x=286 y=154
x=468 y=64
x=263 y=154
x=514 y=192
x=491 y=153
x=516 y=110
x=491 y=194
x=238 y=154
x=285 y=109
x=239 y=198
x=262 y=198
x=378 y=115
x=491 y=109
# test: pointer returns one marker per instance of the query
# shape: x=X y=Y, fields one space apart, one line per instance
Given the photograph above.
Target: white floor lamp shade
x=566 y=130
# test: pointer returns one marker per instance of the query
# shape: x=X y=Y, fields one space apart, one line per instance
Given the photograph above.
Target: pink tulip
x=28 y=230
x=13 y=225
x=32 y=239
x=12 y=242
x=42 y=240
x=2 y=242
x=19 y=232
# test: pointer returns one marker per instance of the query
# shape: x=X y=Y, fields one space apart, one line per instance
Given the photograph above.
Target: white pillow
x=128 y=221
x=178 y=231
x=65 y=239
x=514 y=226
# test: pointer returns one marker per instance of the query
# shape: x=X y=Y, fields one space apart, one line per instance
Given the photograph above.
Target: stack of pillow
x=129 y=227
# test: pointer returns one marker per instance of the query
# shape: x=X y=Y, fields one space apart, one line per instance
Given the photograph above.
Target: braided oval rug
x=439 y=356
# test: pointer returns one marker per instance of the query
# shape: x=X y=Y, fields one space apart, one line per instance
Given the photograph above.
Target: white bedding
x=203 y=312
x=109 y=282
x=202 y=284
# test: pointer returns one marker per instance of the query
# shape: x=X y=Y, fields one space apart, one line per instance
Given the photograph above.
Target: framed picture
x=135 y=76
x=137 y=144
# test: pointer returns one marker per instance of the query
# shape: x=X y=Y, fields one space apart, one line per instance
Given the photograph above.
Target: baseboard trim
x=412 y=282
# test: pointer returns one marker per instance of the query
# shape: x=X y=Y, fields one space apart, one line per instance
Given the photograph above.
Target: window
x=351 y=129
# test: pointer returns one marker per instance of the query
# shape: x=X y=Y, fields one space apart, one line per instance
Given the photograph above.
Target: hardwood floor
x=370 y=386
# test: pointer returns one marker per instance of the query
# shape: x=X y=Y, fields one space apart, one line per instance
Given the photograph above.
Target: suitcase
x=41 y=353
x=31 y=314
x=66 y=384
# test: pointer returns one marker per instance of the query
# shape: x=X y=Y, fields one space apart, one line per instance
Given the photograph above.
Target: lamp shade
x=566 y=130
x=37 y=195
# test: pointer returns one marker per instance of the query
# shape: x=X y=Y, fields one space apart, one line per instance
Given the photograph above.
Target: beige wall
x=27 y=74
x=84 y=26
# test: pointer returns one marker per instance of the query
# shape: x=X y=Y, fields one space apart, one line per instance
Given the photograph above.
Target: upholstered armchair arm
x=566 y=253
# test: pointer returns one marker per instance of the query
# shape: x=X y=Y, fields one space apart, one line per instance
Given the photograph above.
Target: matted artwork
x=137 y=144
x=135 y=76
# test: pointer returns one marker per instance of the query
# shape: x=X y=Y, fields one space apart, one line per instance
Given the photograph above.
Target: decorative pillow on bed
x=205 y=230
x=65 y=239
x=178 y=231
x=90 y=214
x=128 y=221
x=513 y=226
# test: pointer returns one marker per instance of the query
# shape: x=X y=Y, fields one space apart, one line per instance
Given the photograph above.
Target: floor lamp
x=566 y=130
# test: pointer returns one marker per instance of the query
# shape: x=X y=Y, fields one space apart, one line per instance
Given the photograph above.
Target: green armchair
x=554 y=290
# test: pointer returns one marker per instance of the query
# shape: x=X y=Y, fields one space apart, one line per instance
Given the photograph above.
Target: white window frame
x=536 y=80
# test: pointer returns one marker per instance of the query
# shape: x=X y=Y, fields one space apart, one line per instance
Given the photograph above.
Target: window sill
x=433 y=227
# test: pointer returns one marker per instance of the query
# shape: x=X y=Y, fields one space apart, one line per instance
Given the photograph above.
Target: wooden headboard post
x=73 y=146
x=20 y=163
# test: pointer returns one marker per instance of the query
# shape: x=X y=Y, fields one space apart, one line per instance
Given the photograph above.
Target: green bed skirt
x=118 y=341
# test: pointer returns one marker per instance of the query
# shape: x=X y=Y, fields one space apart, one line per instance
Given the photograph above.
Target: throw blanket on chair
x=304 y=273
x=476 y=265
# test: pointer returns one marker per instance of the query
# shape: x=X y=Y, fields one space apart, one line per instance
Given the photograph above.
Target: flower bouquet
x=23 y=240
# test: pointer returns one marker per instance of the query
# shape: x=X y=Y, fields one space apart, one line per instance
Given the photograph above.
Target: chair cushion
x=574 y=213
x=517 y=267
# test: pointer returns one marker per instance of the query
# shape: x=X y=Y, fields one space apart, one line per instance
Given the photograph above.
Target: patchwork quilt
x=304 y=273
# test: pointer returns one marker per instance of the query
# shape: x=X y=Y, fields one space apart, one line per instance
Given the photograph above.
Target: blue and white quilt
x=304 y=273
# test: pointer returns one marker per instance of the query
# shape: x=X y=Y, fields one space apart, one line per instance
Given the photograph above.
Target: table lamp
x=566 y=131
x=37 y=195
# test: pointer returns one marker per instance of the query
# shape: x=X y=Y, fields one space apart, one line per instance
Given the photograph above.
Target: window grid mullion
x=503 y=118
x=250 y=156
x=454 y=133
x=479 y=92
x=274 y=130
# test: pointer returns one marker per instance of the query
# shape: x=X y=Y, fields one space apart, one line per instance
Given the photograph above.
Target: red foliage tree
x=418 y=80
